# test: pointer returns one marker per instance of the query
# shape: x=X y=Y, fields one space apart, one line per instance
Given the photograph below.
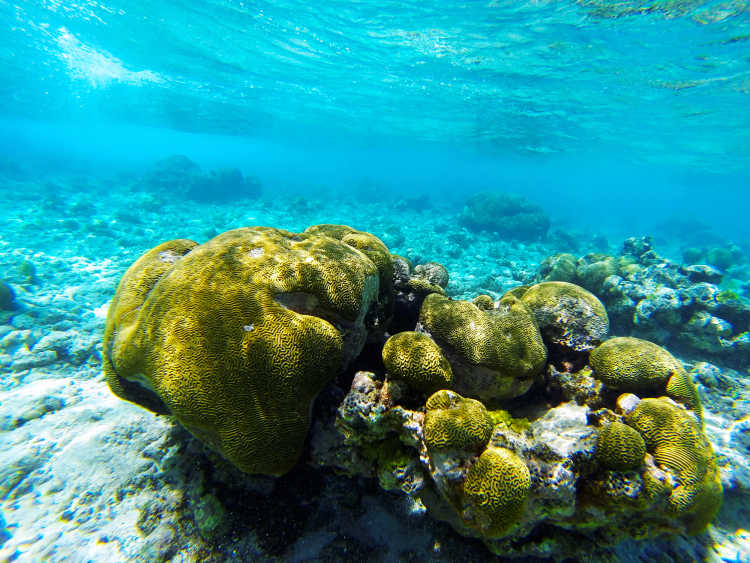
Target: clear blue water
x=627 y=112
x=617 y=118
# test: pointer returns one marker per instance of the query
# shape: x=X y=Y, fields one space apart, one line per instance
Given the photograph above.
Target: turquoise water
x=610 y=119
x=580 y=105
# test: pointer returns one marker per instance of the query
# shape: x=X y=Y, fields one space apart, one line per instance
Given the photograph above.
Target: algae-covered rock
x=433 y=272
x=414 y=358
x=494 y=354
x=235 y=337
x=410 y=291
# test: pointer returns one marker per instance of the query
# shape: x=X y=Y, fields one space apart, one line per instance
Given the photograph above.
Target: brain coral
x=632 y=364
x=619 y=447
x=484 y=302
x=682 y=389
x=236 y=336
x=568 y=316
x=494 y=354
x=452 y=421
x=495 y=490
x=367 y=243
x=414 y=358
x=677 y=442
x=558 y=267
x=433 y=272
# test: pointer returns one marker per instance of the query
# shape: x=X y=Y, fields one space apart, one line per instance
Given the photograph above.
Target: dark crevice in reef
x=532 y=405
x=142 y=396
x=564 y=358
x=369 y=359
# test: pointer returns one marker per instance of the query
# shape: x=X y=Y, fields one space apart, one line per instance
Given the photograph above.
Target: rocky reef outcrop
x=683 y=306
x=518 y=421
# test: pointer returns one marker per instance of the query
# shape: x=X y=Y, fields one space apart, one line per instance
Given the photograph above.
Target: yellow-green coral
x=559 y=267
x=517 y=291
x=452 y=421
x=546 y=294
x=677 y=442
x=593 y=269
x=423 y=287
x=505 y=420
x=416 y=359
x=238 y=335
x=494 y=354
x=619 y=447
x=632 y=364
x=681 y=388
x=367 y=243
x=123 y=316
x=484 y=302
x=495 y=490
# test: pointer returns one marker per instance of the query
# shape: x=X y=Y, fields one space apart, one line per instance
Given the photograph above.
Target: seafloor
x=88 y=477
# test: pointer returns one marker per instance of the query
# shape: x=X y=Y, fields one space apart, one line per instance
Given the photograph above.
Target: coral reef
x=650 y=297
x=178 y=175
x=86 y=473
x=467 y=416
x=510 y=216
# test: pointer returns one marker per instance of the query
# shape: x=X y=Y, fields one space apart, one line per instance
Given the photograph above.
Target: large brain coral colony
x=515 y=420
x=235 y=337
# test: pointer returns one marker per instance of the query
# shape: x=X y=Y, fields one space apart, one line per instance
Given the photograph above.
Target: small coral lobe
x=494 y=354
x=496 y=489
x=414 y=357
x=456 y=422
x=619 y=447
x=633 y=364
x=674 y=436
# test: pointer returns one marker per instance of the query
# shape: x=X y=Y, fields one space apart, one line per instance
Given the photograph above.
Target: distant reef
x=179 y=176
